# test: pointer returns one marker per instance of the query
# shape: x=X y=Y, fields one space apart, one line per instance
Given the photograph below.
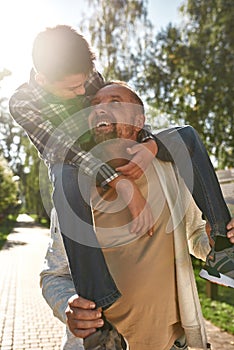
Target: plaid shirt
x=39 y=113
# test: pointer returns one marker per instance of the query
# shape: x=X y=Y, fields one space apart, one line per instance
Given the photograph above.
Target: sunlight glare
x=19 y=23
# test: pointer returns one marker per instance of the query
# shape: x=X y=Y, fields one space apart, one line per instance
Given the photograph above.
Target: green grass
x=6 y=227
x=221 y=311
x=43 y=221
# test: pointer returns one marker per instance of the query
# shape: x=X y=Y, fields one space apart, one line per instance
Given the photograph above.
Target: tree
x=119 y=32
x=11 y=134
x=8 y=189
x=35 y=184
x=24 y=162
x=189 y=74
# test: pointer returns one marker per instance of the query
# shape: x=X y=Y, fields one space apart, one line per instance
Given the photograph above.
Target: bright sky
x=21 y=20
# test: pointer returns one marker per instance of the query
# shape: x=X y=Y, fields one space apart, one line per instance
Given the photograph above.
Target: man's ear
x=139 y=121
x=40 y=79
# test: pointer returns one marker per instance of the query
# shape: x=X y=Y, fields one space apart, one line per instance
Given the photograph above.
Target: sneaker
x=219 y=267
x=106 y=338
x=180 y=344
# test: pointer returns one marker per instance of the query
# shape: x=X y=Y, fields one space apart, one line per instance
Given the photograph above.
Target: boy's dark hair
x=61 y=51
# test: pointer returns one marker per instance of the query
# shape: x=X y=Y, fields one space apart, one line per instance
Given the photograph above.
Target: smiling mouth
x=103 y=127
x=104 y=131
x=103 y=123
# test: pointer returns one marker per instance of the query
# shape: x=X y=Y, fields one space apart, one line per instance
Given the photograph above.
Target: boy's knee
x=189 y=137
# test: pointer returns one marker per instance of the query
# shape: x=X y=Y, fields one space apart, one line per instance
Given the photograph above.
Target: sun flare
x=20 y=21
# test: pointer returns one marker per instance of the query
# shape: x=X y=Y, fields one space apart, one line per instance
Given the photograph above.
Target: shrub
x=8 y=190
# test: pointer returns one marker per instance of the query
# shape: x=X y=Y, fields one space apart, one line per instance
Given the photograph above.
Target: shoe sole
x=223 y=280
x=127 y=345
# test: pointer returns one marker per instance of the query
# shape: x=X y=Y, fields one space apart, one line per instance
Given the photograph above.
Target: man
x=159 y=306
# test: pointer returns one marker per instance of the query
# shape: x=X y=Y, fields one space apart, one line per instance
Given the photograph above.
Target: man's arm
x=59 y=291
x=55 y=278
x=198 y=239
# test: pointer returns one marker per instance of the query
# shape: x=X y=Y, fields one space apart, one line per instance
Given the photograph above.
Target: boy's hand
x=143 y=154
x=82 y=319
x=230 y=228
x=139 y=208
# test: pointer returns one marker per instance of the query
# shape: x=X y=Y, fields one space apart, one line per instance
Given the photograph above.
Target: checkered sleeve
x=55 y=145
x=94 y=82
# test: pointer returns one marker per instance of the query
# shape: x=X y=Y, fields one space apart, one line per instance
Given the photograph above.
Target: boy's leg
x=89 y=271
x=206 y=192
x=206 y=189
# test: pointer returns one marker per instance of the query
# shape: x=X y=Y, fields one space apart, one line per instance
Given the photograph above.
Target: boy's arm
x=162 y=151
x=54 y=144
x=142 y=154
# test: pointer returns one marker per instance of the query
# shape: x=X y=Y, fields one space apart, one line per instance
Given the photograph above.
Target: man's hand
x=230 y=228
x=208 y=232
x=139 y=208
x=143 y=154
x=82 y=319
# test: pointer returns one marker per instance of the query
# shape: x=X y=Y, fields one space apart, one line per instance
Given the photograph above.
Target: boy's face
x=68 y=88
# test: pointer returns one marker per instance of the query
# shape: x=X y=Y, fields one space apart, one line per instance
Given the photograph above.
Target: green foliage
x=11 y=137
x=23 y=159
x=221 y=311
x=4 y=73
x=113 y=26
x=189 y=74
x=8 y=189
x=35 y=184
x=6 y=227
x=8 y=130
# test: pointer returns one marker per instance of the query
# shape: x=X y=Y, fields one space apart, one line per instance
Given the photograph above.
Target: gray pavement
x=26 y=321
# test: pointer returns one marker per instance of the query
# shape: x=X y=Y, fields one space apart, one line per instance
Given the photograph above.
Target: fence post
x=212 y=290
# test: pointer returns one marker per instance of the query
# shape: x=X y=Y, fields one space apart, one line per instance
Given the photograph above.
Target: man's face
x=115 y=114
x=68 y=88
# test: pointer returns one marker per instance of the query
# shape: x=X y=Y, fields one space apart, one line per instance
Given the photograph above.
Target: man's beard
x=100 y=137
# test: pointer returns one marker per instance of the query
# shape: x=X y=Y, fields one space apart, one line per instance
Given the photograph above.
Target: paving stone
x=24 y=314
x=26 y=321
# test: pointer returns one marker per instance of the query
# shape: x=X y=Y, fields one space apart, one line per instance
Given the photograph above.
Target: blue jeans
x=205 y=186
x=89 y=271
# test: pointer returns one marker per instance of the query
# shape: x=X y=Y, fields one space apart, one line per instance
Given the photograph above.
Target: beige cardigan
x=189 y=237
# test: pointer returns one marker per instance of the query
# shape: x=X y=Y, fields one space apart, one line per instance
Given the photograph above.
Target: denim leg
x=206 y=190
x=71 y=197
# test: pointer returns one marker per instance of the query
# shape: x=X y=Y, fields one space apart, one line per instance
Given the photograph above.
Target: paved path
x=26 y=321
